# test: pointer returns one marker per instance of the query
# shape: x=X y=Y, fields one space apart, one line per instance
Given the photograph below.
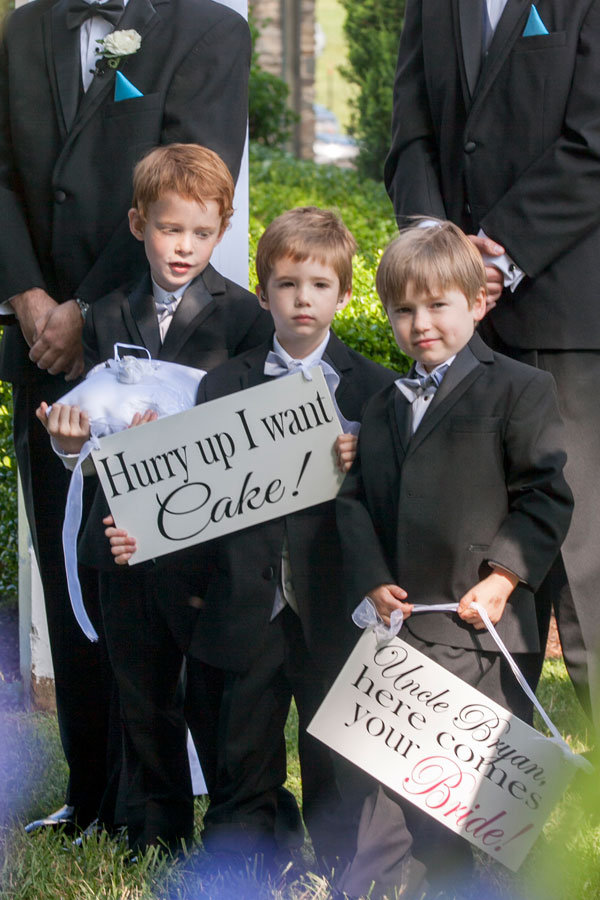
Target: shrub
x=270 y=120
x=8 y=501
x=372 y=30
x=279 y=182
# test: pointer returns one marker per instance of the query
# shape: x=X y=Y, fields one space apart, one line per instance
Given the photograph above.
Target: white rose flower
x=122 y=43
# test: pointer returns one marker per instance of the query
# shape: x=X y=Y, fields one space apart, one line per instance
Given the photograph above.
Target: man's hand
x=122 y=545
x=57 y=347
x=345 y=450
x=67 y=425
x=32 y=309
x=491 y=593
x=387 y=598
x=494 y=277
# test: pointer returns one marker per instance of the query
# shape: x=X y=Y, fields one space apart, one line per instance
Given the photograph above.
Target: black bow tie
x=79 y=11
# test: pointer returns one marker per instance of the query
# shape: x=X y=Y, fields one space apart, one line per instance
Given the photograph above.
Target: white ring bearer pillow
x=111 y=394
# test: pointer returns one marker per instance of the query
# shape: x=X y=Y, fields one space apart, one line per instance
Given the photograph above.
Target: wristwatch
x=83 y=307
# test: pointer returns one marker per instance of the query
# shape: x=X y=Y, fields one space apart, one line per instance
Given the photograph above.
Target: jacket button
x=470 y=147
x=60 y=196
x=268 y=573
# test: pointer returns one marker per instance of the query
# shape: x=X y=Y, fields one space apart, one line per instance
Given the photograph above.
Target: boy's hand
x=387 y=598
x=492 y=593
x=68 y=425
x=345 y=450
x=122 y=545
x=141 y=418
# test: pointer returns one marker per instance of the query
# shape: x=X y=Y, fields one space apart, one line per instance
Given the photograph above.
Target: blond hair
x=193 y=172
x=430 y=259
x=304 y=233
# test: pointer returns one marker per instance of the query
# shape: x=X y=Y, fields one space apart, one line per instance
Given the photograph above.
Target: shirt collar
x=312 y=359
x=161 y=296
x=421 y=370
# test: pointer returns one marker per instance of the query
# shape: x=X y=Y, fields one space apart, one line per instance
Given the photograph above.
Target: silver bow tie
x=277 y=367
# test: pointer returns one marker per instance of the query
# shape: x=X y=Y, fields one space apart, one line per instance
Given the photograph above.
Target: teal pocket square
x=124 y=89
x=534 y=24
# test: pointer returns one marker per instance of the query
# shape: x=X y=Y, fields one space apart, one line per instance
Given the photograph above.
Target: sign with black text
x=222 y=466
x=446 y=747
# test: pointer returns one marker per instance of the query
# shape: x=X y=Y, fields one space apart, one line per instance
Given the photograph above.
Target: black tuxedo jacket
x=216 y=319
x=481 y=479
x=65 y=169
x=511 y=146
x=244 y=567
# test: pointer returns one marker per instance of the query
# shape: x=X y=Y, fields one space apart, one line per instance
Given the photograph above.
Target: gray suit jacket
x=481 y=479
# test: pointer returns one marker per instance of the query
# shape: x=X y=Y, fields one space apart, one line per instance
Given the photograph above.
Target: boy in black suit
x=273 y=618
x=183 y=311
x=456 y=493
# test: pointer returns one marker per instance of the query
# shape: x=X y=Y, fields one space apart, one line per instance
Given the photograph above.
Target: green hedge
x=278 y=182
x=372 y=29
x=8 y=501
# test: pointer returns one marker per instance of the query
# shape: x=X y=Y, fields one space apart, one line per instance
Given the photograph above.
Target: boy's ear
x=136 y=224
x=262 y=296
x=479 y=305
x=344 y=300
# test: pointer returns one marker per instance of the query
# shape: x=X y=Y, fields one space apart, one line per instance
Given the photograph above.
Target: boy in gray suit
x=456 y=494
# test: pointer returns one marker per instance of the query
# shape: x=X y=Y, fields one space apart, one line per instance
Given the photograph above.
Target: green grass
x=564 y=864
x=332 y=90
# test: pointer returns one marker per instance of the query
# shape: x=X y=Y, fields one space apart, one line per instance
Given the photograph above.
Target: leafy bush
x=372 y=30
x=8 y=501
x=279 y=182
x=270 y=120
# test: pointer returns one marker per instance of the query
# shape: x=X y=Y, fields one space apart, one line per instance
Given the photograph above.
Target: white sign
x=446 y=747
x=222 y=466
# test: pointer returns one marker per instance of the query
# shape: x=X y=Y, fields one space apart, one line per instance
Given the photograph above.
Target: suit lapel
x=469 y=33
x=509 y=29
x=64 y=64
x=196 y=304
x=254 y=364
x=139 y=15
x=465 y=369
x=140 y=315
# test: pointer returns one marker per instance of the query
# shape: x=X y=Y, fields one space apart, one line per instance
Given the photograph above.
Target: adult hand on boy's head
x=122 y=545
x=387 y=598
x=345 y=450
x=491 y=593
x=69 y=426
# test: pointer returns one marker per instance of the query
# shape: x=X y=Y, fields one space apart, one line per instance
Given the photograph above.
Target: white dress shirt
x=90 y=32
x=165 y=316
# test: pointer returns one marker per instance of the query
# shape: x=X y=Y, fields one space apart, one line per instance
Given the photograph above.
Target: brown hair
x=306 y=232
x=430 y=259
x=193 y=172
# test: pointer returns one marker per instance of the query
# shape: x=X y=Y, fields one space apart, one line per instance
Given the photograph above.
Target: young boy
x=274 y=618
x=186 y=312
x=456 y=494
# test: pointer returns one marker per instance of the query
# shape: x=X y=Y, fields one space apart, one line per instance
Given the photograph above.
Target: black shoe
x=65 y=817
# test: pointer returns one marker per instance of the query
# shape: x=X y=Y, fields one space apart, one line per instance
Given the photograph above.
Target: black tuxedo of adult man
x=65 y=187
x=510 y=143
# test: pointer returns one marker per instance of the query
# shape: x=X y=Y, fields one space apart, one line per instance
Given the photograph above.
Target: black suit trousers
x=252 y=755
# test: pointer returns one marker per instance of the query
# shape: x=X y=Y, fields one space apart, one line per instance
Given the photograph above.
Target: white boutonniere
x=115 y=46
